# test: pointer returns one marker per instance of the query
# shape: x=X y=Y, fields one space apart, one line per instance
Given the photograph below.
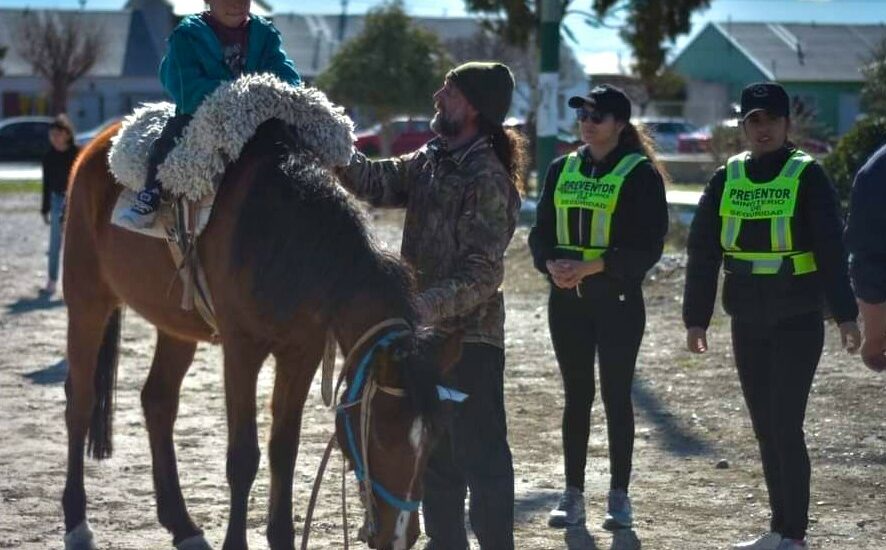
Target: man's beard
x=444 y=126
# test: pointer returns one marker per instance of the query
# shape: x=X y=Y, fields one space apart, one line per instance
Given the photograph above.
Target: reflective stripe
x=563 y=225
x=763 y=263
x=587 y=254
x=781 y=233
x=628 y=163
x=729 y=233
x=600 y=229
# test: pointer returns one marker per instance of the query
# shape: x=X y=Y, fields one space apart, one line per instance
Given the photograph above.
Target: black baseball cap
x=605 y=99
x=765 y=96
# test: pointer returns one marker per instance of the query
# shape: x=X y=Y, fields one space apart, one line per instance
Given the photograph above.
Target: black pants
x=612 y=327
x=161 y=147
x=472 y=453
x=776 y=364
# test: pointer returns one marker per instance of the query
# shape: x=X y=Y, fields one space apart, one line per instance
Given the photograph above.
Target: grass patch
x=20 y=186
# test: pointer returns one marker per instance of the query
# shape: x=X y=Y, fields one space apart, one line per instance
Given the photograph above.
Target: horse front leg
x=243 y=360
x=160 y=398
x=295 y=369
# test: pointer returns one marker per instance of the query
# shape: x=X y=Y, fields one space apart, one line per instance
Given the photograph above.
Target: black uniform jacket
x=866 y=230
x=817 y=227
x=638 y=228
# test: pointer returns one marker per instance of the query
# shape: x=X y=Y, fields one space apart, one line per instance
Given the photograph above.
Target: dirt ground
x=689 y=410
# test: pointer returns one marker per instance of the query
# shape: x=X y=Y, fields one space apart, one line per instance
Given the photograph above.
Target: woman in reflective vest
x=771 y=217
x=600 y=226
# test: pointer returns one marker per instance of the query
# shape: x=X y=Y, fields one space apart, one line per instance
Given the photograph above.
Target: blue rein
x=353 y=397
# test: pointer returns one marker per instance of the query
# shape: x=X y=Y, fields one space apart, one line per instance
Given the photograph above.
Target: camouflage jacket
x=461 y=211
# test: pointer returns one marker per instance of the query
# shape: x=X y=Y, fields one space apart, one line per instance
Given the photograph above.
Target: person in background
x=57 y=164
x=600 y=226
x=772 y=218
x=865 y=240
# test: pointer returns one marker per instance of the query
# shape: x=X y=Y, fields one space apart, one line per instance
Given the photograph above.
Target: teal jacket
x=194 y=63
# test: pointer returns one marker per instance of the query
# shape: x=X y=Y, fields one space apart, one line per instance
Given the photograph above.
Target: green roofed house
x=819 y=65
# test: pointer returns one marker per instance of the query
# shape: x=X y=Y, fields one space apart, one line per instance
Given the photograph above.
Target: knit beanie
x=487 y=86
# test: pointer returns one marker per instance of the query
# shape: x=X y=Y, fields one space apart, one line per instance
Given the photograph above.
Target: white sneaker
x=769 y=541
x=792 y=544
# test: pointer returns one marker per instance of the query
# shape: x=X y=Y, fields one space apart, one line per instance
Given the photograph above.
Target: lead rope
x=344 y=500
x=314 y=492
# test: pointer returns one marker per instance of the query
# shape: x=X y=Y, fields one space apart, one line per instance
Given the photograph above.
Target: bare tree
x=61 y=47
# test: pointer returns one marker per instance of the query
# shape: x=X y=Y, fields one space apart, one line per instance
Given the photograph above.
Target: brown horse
x=287 y=257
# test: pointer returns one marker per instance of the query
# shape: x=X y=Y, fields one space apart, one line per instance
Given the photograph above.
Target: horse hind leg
x=92 y=352
x=160 y=399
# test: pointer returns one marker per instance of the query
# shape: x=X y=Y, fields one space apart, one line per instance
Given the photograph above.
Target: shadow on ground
x=54 y=374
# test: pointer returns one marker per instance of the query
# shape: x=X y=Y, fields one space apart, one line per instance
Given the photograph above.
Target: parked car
x=25 y=138
x=666 y=131
x=83 y=138
x=407 y=135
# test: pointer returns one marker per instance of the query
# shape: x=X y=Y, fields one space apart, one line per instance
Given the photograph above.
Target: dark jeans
x=611 y=327
x=472 y=453
x=161 y=147
x=776 y=364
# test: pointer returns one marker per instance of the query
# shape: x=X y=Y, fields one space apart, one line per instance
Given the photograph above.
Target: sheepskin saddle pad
x=222 y=125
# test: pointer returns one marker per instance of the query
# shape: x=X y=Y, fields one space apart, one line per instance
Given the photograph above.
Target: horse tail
x=100 y=444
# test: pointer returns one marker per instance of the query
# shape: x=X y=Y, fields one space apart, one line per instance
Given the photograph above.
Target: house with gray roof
x=819 y=65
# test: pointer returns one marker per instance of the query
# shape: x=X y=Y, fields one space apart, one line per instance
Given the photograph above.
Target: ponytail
x=636 y=137
x=510 y=148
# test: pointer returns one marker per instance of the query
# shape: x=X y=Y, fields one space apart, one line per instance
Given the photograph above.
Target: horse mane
x=305 y=240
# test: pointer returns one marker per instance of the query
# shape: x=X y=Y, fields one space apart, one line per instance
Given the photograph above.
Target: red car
x=407 y=135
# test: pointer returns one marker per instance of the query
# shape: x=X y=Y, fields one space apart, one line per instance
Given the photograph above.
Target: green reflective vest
x=600 y=195
x=776 y=201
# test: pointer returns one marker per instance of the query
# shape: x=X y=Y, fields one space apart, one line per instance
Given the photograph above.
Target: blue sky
x=600 y=50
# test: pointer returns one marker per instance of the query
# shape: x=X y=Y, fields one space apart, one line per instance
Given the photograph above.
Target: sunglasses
x=595 y=117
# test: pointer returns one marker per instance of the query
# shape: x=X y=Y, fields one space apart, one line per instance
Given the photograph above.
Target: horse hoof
x=80 y=538
x=196 y=542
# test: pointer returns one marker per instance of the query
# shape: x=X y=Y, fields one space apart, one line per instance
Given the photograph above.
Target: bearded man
x=461 y=192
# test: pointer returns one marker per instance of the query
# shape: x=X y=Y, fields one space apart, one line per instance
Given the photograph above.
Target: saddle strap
x=328 y=368
x=182 y=246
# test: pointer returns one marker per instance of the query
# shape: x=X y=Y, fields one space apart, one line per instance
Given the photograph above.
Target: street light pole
x=546 y=122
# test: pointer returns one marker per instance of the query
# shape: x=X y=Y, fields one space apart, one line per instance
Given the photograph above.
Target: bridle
x=361 y=390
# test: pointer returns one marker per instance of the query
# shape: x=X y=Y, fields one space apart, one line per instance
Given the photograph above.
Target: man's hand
x=873 y=349
x=850 y=336
x=696 y=339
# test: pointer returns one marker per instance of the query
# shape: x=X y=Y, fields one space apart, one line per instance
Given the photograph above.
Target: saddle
x=222 y=125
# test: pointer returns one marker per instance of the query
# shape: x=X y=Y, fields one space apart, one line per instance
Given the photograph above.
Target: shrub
x=853 y=150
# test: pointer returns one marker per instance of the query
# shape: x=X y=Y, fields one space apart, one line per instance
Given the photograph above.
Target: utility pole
x=342 y=21
x=546 y=122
